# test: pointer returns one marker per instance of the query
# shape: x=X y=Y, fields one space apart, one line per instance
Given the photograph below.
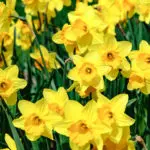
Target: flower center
x=36 y=120
x=88 y=70
x=110 y=115
x=55 y=107
x=83 y=128
x=4 y=85
x=110 y=56
x=105 y=114
x=79 y=127
x=148 y=60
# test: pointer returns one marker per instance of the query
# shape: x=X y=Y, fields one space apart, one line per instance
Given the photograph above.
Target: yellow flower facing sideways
x=34 y=6
x=143 y=9
x=139 y=77
x=24 y=36
x=49 y=58
x=79 y=125
x=112 y=113
x=88 y=73
x=10 y=84
x=124 y=144
x=36 y=119
x=10 y=142
x=113 y=54
x=5 y=14
x=75 y=37
x=56 y=100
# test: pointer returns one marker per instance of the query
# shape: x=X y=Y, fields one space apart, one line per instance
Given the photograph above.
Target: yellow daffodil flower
x=56 y=100
x=75 y=37
x=49 y=58
x=143 y=9
x=36 y=119
x=5 y=14
x=111 y=112
x=88 y=73
x=58 y=4
x=10 y=142
x=124 y=144
x=34 y=6
x=79 y=124
x=24 y=36
x=113 y=54
x=139 y=77
x=10 y=84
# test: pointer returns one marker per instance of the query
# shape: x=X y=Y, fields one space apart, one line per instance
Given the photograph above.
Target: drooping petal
x=12 y=99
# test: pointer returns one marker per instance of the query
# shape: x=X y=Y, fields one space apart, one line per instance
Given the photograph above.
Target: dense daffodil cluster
x=100 y=123
x=89 y=38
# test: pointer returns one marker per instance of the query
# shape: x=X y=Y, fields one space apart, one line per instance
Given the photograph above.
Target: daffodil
x=56 y=100
x=6 y=46
x=10 y=84
x=79 y=124
x=126 y=7
x=112 y=113
x=88 y=73
x=6 y=10
x=10 y=142
x=143 y=9
x=113 y=54
x=34 y=6
x=61 y=38
x=24 y=36
x=36 y=119
x=58 y=4
x=139 y=77
x=49 y=58
x=124 y=144
x=76 y=37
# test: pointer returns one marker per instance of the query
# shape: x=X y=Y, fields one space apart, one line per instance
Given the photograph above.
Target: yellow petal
x=110 y=42
x=102 y=99
x=48 y=133
x=116 y=134
x=78 y=60
x=73 y=74
x=26 y=107
x=12 y=99
x=74 y=146
x=88 y=112
x=144 y=46
x=10 y=142
x=19 y=123
x=12 y=71
x=124 y=48
x=57 y=37
x=119 y=103
x=112 y=75
x=124 y=120
x=72 y=110
x=32 y=137
x=62 y=127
